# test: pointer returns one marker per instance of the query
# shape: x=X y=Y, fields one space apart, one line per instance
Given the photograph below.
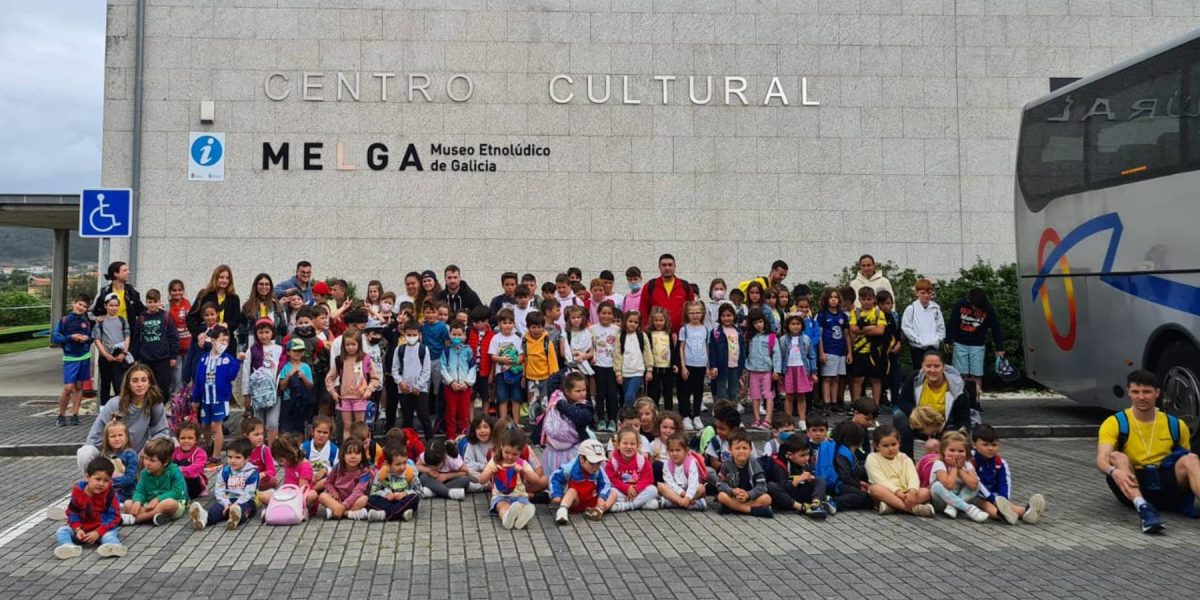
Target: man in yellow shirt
x=1144 y=453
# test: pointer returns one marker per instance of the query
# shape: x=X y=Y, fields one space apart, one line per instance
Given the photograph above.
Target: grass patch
x=24 y=328
x=23 y=345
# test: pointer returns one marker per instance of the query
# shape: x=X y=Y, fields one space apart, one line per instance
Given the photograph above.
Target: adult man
x=458 y=295
x=301 y=282
x=669 y=292
x=779 y=272
x=1144 y=454
x=868 y=276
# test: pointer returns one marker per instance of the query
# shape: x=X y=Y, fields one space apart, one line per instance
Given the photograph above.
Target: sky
x=51 y=95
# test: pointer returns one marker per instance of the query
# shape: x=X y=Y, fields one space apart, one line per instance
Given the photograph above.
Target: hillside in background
x=20 y=246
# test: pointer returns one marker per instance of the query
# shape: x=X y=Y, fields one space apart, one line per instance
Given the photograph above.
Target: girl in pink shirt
x=631 y=473
x=297 y=470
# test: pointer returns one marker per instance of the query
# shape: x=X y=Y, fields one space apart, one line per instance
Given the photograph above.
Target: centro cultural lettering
x=700 y=90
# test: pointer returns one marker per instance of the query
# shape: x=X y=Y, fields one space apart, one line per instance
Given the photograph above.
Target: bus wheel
x=1178 y=368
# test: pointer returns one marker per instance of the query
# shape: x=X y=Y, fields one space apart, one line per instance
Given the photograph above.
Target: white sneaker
x=426 y=493
x=884 y=509
x=199 y=518
x=128 y=519
x=561 y=517
x=803 y=425
x=1004 y=507
x=325 y=513
x=458 y=494
x=697 y=423
x=621 y=507
x=475 y=488
x=528 y=512
x=652 y=505
x=66 y=551
x=408 y=515
x=235 y=517
x=951 y=512
x=357 y=515
x=110 y=550
x=376 y=515
x=510 y=517
x=687 y=424
x=976 y=514
x=923 y=510
x=700 y=505
x=1035 y=510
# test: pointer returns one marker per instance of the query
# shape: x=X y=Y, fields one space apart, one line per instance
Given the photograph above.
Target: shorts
x=760 y=385
x=182 y=510
x=796 y=381
x=587 y=496
x=509 y=499
x=863 y=367
x=213 y=412
x=1168 y=495
x=352 y=405
x=77 y=371
x=508 y=392
x=835 y=366
x=969 y=359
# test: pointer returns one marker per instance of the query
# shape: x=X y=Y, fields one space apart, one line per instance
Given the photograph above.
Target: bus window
x=1130 y=135
x=1050 y=158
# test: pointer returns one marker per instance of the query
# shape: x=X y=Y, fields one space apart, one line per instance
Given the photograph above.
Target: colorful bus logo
x=1065 y=342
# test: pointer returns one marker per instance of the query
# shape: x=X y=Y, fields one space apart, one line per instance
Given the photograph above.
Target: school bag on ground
x=286 y=506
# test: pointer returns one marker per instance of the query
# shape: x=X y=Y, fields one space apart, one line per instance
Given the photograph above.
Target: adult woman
x=261 y=305
x=140 y=407
x=219 y=291
x=430 y=288
x=118 y=283
x=938 y=386
x=868 y=276
x=412 y=288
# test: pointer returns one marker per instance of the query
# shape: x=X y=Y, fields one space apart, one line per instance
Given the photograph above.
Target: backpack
x=648 y=290
x=262 y=389
x=697 y=460
x=558 y=431
x=297 y=392
x=180 y=409
x=826 y=467
x=400 y=350
x=1123 y=431
x=286 y=506
x=545 y=351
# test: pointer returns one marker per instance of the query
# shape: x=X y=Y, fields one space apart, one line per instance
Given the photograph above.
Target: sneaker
x=561 y=516
x=923 y=510
x=74 y=421
x=817 y=511
x=762 y=512
x=697 y=423
x=160 y=519
x=700 y=505
x=593 y=514
x=1004 y=507
x=652 y=505
x=235 y=517
x=128 y=519
x=621 y=507
x=1035 y=510
x=66 y=551
x=376 y=516
x=762 y=411
x=475 y=488
x=408 y=515
x=526 y=514
x=426 y=493
x=524 y=410
x=325 y=513
x=55 y=513
x=764 y=424
x=687 y=424
x=803 y=425
x=458 y=494
x=950 y=511
x=976 y=514
x=884 y=509
x=110 y=551
x=196 y=512
x=61 y=421
x=830 y=507
x=510 y=517
x=357 y=515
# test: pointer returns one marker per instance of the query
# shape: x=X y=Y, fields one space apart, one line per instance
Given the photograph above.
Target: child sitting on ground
x=798 y=488
x=395 y=490
x=927 y=421
x=818 y=430
x=581 y=486
x=320 y=451
x=784 y=427
x=631 y=473
x=892 y=475
x=681 y=485
x=345 y=492
x=237 y=484
x=161 y=495
x=508 y=474
x=954 y=479
x=995 y=481
x=476 y=446
x=93 y=515
x=666 y=425
x=443 y=473
x=191 y=459
x=741 y=483
x=864 y=411
x=716 y=444
x=115 y=447
x=297 y=470
x=253 y=430
x=838 y=465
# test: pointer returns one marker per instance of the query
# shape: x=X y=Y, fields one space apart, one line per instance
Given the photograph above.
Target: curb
x=25 y=450
x=1046 y=431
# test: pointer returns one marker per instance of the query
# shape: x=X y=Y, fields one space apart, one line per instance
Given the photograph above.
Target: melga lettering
x=600 y=89
x=311 y=156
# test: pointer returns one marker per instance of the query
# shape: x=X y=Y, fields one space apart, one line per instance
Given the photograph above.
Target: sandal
x=593 y=514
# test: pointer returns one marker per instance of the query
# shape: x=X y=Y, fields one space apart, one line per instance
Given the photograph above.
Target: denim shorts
x=508 y=392
x=969 y=359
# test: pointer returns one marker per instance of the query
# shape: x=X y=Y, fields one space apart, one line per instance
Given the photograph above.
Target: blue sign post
x=106 y=213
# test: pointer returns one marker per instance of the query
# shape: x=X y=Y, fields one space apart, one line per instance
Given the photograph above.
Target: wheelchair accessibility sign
x=206 y=156
x=105 y=213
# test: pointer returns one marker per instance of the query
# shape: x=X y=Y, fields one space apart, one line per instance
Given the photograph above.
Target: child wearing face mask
x=458 y=377
x=712 y=307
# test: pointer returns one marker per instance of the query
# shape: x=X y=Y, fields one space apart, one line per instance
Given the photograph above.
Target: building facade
x=375 y=137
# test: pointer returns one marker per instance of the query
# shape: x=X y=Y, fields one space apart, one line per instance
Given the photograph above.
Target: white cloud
x=51 y=95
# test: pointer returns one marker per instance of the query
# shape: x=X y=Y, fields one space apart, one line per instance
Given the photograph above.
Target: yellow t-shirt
x=221 y=307
x=862 y=344
x=668 y=285
x=1148 y=444
x=935 y=399
x=121 y=312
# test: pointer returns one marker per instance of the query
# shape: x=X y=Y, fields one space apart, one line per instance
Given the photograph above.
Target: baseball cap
x=296 y=345
x=373 y=324
x=428 y=275
x=321 y=288
x=591 y=451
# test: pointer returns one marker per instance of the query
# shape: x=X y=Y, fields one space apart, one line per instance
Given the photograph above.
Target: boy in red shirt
x=479 y=339
x=93 y=514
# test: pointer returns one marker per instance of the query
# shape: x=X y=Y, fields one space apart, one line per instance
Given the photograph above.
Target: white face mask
x=718 y=294
x=220 y=348
x=386 y=307
x=411 y=340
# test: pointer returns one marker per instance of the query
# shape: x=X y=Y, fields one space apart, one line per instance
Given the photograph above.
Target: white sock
x=357 y=515
x=1138 y=502
x=562 y=511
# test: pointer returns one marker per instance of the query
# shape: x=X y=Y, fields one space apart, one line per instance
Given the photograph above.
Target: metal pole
x=135 y=179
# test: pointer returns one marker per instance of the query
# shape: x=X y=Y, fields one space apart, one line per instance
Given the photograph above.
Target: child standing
x=741 y=484
x=260 y=386
x=541 y=363
x=726 y=356
x=506 y=355
x=995 y=481
x=712 y=307
x=833 y=351
x=581 y=486
x=161 y=495
x=693 y=359
x=579 y=347
x=604 y=343
x=682 y=485
x=661 y=388
x=154 y=341
x=191 y=459
x=633 y=360
x=112 y=342
x=798 y=488
x=800 y=368
x=237 y=484
x=525 y=307
x=763 y=364
x=631 y=473
x=479 y=340
x=179 y=307
x=295 y=384
x=868 y=325
x=124 y=458
x=893 y=478
x=954 y=480
x=214 y=377
x=508 y=474
x=395 y=491
x=74 y=334
x=260 y=453
x=443 y=473
x=411 y=368
x=93 y=515
x=345 y=492
x=567 y=418
x=352 y=380
x=458 y=375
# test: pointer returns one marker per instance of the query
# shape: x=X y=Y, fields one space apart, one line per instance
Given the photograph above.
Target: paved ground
x=1087 y=547
x=31 y=373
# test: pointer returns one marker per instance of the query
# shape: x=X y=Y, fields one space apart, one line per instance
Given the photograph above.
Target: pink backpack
x=286 y=506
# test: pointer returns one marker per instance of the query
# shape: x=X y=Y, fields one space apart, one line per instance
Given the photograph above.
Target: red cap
x=321 y=288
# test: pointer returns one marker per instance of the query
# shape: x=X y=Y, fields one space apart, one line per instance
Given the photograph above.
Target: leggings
x=394 y=509
x=111 y=374
x=391 y=403
x=442 y=489
x=216 y=512
x=691 y=392
x=662 y=387
x=644 y=497
x=957 y=498
x=851 y=497
x=418 y=403
x=607 y=394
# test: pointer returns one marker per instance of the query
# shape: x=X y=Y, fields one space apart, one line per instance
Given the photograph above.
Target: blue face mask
x=456 y=341
x=633 y=287
x=785 y=435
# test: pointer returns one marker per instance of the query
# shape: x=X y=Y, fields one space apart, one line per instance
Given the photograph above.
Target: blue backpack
x=1123 y=431
x=826 y=468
